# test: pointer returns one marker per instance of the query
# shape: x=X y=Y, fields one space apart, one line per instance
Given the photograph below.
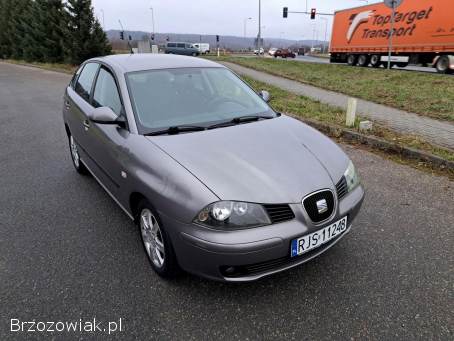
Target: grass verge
x=66 y=68
x=306 y=108
x=422 y=93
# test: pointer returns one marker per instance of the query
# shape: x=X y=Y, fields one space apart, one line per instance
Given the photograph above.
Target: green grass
x=304 y=107
x=422 y=93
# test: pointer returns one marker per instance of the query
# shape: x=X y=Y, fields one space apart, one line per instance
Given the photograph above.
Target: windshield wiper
x=239 y=120
x=176 y=130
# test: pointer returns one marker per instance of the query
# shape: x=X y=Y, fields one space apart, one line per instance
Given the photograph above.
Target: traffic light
x=217 y=38
x=130 y=38
x=168 y=38
x=313 y=12
x=285 y=12
x=152 y=37
x=122 y=35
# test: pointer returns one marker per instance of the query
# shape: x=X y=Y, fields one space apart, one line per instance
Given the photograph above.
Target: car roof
x=151 y=61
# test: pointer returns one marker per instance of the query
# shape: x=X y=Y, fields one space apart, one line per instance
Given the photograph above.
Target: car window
x=106 y=92
x=169 y=97
x=180 y=45
x=171 y=45
x=85 y=80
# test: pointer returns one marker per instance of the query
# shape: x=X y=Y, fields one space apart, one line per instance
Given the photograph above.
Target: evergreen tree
x=85 y=37
x=5 y=10
x=31 y=31
x=53 y=25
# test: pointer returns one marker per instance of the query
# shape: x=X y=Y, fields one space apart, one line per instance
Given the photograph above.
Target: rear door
x=77 y=105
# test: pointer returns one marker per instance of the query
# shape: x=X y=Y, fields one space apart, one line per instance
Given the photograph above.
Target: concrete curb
x=378 y=143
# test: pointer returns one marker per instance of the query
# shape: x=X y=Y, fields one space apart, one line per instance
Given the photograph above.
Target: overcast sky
x=223 y=17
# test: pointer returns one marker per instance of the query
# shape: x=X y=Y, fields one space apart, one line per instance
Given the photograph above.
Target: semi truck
x=423 y=33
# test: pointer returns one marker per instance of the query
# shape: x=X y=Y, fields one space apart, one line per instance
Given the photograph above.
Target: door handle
x=86 y=125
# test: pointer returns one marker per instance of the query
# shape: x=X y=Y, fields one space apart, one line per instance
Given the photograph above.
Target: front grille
x=279 y=212
x=311 y=202
x=341 y=188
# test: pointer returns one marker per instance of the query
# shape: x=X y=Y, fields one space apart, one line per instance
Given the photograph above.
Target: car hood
x=271 y=161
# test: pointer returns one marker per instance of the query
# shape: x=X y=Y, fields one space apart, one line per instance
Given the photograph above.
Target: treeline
x=53 y=31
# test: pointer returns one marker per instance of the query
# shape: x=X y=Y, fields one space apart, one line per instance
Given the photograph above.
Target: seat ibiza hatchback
x=220 y=184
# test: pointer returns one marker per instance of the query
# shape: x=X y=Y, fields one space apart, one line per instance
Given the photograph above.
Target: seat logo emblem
x=322 y=206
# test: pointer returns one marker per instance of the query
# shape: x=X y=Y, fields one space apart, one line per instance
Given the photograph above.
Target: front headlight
x=233 y=214
x=351 y=176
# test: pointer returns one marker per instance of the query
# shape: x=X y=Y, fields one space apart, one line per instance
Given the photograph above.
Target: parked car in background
x=186 y=49
x=301 y=51
x=202 y=47
x=262 y=51
x=218 y=183
x=272 y=51
x=284 y=53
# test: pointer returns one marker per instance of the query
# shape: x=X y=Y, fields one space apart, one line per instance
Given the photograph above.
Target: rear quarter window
x=85 y=81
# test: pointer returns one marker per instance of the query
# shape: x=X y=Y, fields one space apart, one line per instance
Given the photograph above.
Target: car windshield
x=191 y=96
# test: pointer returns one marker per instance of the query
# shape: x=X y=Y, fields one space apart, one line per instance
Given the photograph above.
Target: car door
x=78 y=107
x=107 y=141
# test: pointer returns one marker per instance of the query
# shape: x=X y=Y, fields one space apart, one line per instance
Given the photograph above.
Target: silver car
x=220 y=184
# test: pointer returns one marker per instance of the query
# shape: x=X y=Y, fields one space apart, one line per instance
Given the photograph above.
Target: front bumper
x=253 y=253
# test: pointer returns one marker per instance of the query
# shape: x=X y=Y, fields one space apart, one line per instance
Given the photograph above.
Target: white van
x=202 y=47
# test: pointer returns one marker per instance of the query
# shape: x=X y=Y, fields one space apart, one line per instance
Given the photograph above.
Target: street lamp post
x=152 y=19
x=259 y=36
x=245 y=23
x=103 y=23
x=326 y=31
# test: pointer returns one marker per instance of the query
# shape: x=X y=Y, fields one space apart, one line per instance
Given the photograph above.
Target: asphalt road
x=67 y=252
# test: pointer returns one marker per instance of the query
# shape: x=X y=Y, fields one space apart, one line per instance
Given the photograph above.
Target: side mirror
x=105 y=115
x=265 y=95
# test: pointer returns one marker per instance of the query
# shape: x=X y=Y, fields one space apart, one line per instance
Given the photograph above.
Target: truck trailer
x=423 y=33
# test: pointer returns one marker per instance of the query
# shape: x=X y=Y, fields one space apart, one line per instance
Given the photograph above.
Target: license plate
x=315 y=239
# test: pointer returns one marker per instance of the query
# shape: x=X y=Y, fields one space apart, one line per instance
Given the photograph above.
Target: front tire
x=156 y=242
x=75 y=156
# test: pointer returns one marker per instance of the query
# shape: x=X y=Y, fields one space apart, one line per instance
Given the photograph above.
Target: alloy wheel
x=152 y=238
x=74 y=152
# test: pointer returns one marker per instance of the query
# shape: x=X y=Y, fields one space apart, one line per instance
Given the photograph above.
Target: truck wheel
x=442 y=65
x=375 y=60
x=363 y=60
x=402 y=65
x=352 y=60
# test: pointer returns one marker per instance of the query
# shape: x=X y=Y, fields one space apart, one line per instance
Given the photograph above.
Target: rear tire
x=352 y=59
x=363 y=60
x=402 y=65
x=156 y=242
x=375 y=60
x=75 y=156
x=442 y=65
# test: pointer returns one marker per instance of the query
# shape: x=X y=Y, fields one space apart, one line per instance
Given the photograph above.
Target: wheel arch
x=68 y=131
x=134 y=199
